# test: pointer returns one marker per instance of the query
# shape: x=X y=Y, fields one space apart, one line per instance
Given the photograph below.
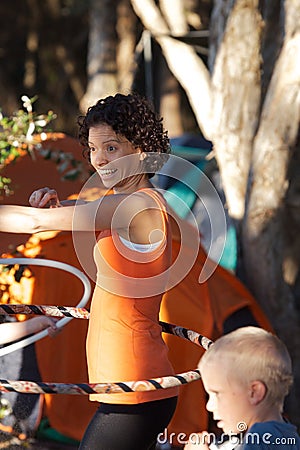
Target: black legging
x=128 y=427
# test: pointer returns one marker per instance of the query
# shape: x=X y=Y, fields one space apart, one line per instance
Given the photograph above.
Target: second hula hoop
x=57 y=265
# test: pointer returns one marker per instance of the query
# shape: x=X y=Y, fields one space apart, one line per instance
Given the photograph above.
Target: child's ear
x=257 y=392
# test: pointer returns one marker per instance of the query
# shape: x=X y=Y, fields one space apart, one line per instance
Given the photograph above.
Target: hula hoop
x=57 y=265
x=68 y=313
x=44 y=310
x=82 y=313
x=32 y=387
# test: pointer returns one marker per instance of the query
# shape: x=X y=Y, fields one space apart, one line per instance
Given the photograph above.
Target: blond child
x=247 y=374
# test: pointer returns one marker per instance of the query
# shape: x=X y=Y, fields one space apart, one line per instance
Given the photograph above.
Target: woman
x=126 y=143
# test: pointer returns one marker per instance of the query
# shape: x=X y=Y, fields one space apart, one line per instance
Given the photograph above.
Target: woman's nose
x=99 y=158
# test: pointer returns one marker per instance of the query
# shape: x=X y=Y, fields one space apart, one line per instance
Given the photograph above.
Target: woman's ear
x=257 y=392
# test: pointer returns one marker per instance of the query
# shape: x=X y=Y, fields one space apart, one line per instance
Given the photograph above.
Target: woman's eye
x=92 y=149
x=110 y=148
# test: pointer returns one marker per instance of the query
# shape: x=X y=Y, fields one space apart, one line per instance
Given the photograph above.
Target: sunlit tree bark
x=270 y=261
x=254 y=126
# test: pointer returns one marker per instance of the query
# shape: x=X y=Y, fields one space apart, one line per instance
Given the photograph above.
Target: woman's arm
x=135 y=213
x=24 y=219
x=11 y=331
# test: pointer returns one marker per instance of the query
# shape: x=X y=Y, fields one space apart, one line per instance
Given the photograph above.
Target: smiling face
x=113 y=156
x=228 y=398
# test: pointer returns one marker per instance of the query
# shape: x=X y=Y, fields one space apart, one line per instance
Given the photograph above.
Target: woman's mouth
x=106 y=172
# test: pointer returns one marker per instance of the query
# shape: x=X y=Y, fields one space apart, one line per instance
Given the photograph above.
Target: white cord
x=57 y=265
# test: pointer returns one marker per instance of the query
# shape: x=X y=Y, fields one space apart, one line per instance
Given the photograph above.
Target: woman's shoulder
x=150 y=197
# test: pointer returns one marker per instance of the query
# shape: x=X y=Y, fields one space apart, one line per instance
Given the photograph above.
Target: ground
x=12 y=443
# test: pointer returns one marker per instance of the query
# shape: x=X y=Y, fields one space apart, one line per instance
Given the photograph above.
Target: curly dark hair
x=134 y=117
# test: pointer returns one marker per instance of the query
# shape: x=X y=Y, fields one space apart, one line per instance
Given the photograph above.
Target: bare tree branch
x=182 y=60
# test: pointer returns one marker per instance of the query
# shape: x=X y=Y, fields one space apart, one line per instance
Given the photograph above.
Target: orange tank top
x=124 y=341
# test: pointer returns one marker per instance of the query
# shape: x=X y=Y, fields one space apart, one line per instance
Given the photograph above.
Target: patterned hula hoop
x=79 y=312
x=57 y=265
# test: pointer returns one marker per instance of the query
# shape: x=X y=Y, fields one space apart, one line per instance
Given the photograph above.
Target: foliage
x=24 y=132
x=18 y=135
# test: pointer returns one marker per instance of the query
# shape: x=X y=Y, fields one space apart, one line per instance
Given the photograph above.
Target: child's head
x=252 y=365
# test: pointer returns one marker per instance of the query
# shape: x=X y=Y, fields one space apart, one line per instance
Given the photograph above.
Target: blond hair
x=254 y=354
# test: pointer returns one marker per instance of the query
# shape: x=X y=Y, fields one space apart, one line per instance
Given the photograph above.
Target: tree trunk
x=267 y=255
x=249 y=139
x=126 y=28
x=236 y=100
x=101 y=64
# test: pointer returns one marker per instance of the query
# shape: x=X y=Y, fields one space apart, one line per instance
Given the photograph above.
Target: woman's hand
x=44 y=198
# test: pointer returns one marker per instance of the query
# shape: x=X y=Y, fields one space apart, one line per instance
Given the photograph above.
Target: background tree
x=111 y=46
x=246 y=101
x=43 y=52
